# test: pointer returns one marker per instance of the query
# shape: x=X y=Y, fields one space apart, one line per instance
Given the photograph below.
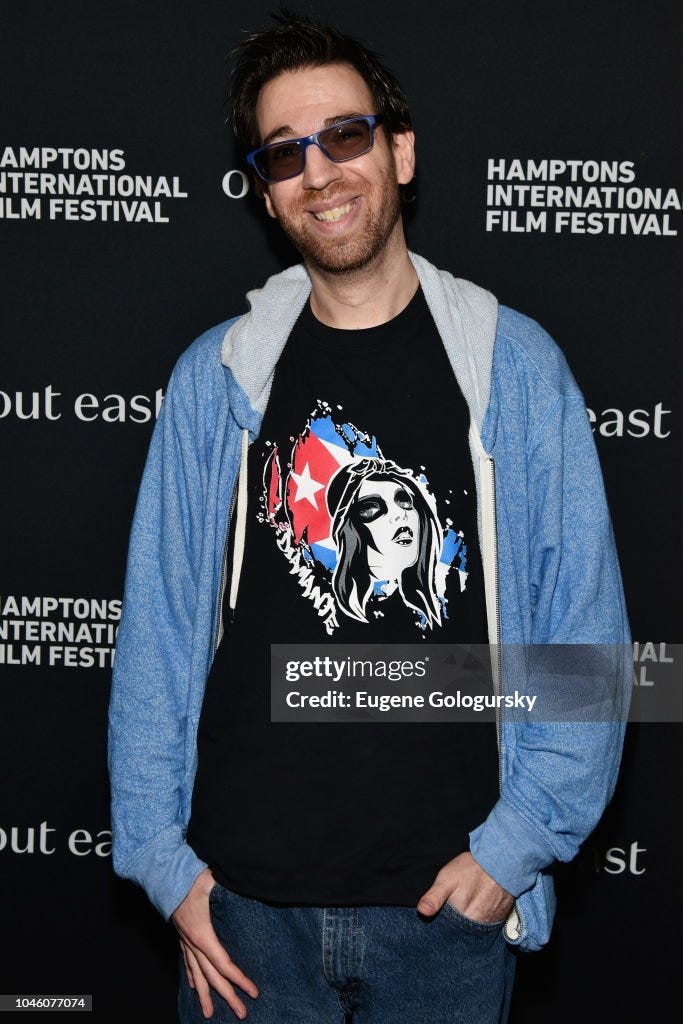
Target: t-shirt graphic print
x=357 y=527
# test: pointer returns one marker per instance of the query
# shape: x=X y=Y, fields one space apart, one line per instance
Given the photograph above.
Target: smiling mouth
x=336 y=213
x=403 y=536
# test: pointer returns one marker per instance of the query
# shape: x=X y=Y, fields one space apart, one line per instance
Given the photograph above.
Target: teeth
x=334 y=214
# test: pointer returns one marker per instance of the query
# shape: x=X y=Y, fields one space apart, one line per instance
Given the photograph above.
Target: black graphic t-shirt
x=361 y=526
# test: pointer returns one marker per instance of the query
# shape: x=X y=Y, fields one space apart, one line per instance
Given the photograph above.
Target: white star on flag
x=306 y=486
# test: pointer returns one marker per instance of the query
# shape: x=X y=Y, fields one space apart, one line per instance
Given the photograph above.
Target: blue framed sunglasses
x=342 y=141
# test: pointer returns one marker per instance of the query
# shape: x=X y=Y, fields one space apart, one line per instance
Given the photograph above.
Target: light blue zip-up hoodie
x=550 y=567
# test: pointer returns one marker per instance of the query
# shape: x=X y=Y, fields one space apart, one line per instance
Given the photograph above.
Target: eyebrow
x=287 y=132
x=374 y=495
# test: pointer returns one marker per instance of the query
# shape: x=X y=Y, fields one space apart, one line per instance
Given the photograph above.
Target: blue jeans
x=369 y=965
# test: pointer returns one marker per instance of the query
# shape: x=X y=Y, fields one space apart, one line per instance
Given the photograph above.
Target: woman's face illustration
x=387 y=509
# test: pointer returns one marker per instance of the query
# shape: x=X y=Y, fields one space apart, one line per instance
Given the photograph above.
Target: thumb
x=433 y=899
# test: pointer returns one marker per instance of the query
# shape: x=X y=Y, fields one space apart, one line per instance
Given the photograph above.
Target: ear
x=265 y=192
x=404 y=156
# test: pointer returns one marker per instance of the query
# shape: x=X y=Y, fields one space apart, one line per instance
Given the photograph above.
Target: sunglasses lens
x=279 y=162
x=340 y=142
x=346 y=141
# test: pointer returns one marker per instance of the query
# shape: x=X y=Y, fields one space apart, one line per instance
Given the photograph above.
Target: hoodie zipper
x=513 y=925
x=489 y=536
x=492 y=525
x=223 y=580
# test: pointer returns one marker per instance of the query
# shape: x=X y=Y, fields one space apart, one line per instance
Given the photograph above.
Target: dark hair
x=298 y=42
x=351 y=580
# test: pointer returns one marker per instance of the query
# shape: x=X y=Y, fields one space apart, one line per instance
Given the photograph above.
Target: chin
x=340 y=262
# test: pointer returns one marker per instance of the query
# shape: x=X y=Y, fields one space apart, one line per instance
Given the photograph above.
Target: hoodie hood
x=465 y=316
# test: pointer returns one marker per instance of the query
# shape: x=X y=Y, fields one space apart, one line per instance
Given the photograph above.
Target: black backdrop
x=95 y=312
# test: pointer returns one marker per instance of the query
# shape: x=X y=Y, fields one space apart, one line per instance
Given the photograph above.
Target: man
x=380 y=871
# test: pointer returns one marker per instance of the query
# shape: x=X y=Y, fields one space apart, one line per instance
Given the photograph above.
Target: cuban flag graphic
x=318 y=453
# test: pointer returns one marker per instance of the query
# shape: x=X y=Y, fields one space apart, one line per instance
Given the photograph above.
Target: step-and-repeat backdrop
x=549 y=171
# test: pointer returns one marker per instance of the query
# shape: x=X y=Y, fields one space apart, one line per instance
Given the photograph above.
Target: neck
x=367 y=297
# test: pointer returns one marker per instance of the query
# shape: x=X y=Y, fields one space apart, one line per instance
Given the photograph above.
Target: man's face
x=340 y=216
x=388 y=511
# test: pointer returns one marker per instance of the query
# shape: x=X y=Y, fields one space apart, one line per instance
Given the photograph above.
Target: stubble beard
x=345 y=255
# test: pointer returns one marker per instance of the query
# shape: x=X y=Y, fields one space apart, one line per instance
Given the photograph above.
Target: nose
x=398 y=513
x=319 y=170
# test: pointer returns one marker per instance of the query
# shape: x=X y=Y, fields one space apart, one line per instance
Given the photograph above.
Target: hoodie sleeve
x=149 y=695
x=558 y=776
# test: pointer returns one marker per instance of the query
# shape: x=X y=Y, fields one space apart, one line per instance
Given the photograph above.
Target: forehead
x=384 y=488
x=303 y=99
